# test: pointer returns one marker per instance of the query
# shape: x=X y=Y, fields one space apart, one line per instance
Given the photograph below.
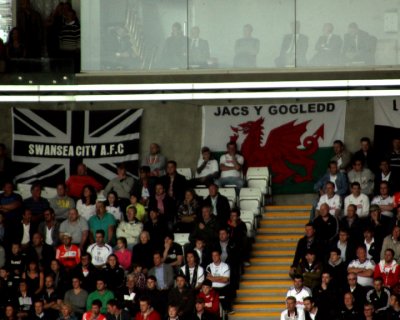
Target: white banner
x=387 y=111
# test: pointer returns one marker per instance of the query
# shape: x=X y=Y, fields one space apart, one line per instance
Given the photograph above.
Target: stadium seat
x=24 y=190
x=250 y=199
x=49 y=193
x=259 y=177
x=230 y=193
x=248 y=218
x=201 y=192
x=186 y=172
x=181 y=238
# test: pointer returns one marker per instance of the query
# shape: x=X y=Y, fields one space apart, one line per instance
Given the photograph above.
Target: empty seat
x=250 y=199
x=181 y=238
x=49 y=193
x=186 y=172
x=201 y=192
x=259 y=177
x=230 y=193
x=248 y=218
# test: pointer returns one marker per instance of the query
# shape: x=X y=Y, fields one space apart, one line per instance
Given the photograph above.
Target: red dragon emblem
x=283 y=147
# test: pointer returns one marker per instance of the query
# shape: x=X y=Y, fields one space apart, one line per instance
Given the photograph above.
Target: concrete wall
x=177 y=126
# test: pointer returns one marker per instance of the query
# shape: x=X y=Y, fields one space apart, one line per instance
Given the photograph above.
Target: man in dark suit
x=294 y=48
x=359 y=47
x=311 y=309
x=219 y=204
x=328 y=48
x=199 y=50
x=174 y=183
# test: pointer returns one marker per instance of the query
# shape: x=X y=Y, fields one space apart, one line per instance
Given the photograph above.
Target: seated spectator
x=39 y=312
x=128 y=296
x=349 y=311
x=188 y=212
x=99 y=250
x=362 y=267
x=61 y=203
x=359 y=199
x=326 y=226
x=34 y=279
x=116 y=310
x=394 y=158
x=207 y=168
x=357 y=290
x=67 y=313
x=379 y=297
x=342 y=157
x=172 y=313
x=16 y=261
x=164 y=203
x=156 y=297
x=311 y=270
x=292 y=311
x=373 y=248
x=113 y=206
x=206 y=228
x=172 y=252
x=77 y=227
x=6 y=166
x=140 y=278
x=219 y=274
x=144 y=188
x=166 y=281
x=333 y=200
x=346 y=246
x=10 y=204
x=103 y=220
x=23 y=231
x=392 y=242
x=201 y=312
x=86 y=205
x=384 y=200
x=337 y=268
x=311 y=310
x=142 y=253
x=338 y=178
x=155 y=161
x=157 y=229
x=393 y=312
x=363 y=176
x=366 y=154
x=388 y=270
x=369 y=312
x=237 y=230
x=378 y=223
x=49 y=229
x=193 y=272
x=219 y=204
x=202 y=251
x=131 y=228
x=60 y=276
x=67 y=253
x=385 y=174
x=76 y=183
x=123 y=254
x=396 y=220
x=182 y=296
x=299 y=291
x=174 y=183
x=101 y=293
x=86 y=272
x=309 y=241
x=51 y=298
x=36 y=203
x=230 y=165
x=146 y=310
x=113 y=274
x=352 y=224
x=122 y=185
x=140 y=209
x=95 y=311
x=210 y=297
x=40 y=252
x=326 y=295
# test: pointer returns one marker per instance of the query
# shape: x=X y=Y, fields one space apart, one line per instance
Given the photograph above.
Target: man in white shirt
x=333 y=200
x=99 y=250
x=299 y=291
x=384 y=200
x=363 y=267
x=207 y=168
x=230 y=165
x=292 y=312
x=359 y=199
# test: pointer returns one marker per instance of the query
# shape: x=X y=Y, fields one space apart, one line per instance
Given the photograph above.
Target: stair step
x=272 y=260
x=267 y=269
x=264 y=276
x=288 y=207
x=256 y=315
x=271 y=222
x=274 y=245
x=273 y=253
x=279 y=229
x=261 y=299
x=278 y=237
x=281 y=215
x=260 y=306
x=257 y=292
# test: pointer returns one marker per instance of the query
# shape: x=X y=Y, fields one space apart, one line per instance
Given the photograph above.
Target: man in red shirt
x=68 y=254
x=146 y=310
x=76 y=182
x=388 y=269
x=94 y=313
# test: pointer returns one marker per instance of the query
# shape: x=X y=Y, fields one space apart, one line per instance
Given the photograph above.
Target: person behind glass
x=199 y=50
x=327 y=48
x=207 y=168
x=174 y=54
x=155 y=161
x=86 y=205
x=359 y=46
x=293 y=49
x=246 y=49
x=231 y=164
x=15 y=51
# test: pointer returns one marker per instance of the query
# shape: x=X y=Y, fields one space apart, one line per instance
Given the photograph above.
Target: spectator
x=86 y=272
x=393 y=312
x=210 y=297
x=157 y=228
x=156 y=297
x=352 y=223
x=188 y=212
x=311 y=310
x=39 y=312
x=49 y=229
x=77 y=227
x=334 y=176
x=130 y=229
x=174 y=183
x=102 y=294
x=346 y=246
x=155 y=161
x=238 y=234
x=182 y=296
x=67 y=253
x=326 y=226
x=23 y=231
x=357 y=291
x=377 y=223
x=363 y=267
x=76 y=183
x=62 y=203
x=86 y=205
x=342 y=157
x=194 y=274
x=363 y=176
x=366 y=154
x=386 y=174
x=6 y=164
x=15 y=261
x=10 y=204
x=51 y=298
x=103 y=220
x=326 y=295
x=337 y=268
x=172 y=313
x=122 y=185
x=333 y=200
x=34 y=279
x=292 y=311
x=128 y=295
x=163 y=272
x=373 y=248
x=202 y=251
x=66 y=312
x=394 y=157
x=379 y=297
x=349 y=311
x=392 y=242
x=61 y=281
x=207 y=168
x=146 y=311
x=140 y=209
x=359 y=199
x=116 y=311
x=164 y=203
x=384 y=200
x=40 y=252
x=144 y=188
x=201 y=312
x=388 y=270
x=113 y=274
x=299 y=291
x=123 y=253
x=219 y=203
x=113 y=206
x=143 y=252
x=206 y=228
x=172 y=253
x=37 y=204
x=230 y=165
x=10 y=312
x=24 y=301
x=99 y=250
x=95 y=311
x=140 y=278
x=311 y=270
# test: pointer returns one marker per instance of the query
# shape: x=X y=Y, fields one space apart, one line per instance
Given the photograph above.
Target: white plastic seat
x=201 y=192
x=230 y=193
x=24 y=190
x=248 y=218
x=186 y=172
x=259 y=177
x=49 y=193
x=181 y=238
x=250 y=199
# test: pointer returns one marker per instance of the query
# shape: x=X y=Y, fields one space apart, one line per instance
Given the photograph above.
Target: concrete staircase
x=265 y=283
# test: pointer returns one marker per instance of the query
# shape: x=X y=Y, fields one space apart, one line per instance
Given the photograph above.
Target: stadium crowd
x=347 y=264
x=108 y=252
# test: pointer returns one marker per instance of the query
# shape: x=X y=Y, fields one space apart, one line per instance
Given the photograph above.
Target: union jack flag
x=48 y=145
